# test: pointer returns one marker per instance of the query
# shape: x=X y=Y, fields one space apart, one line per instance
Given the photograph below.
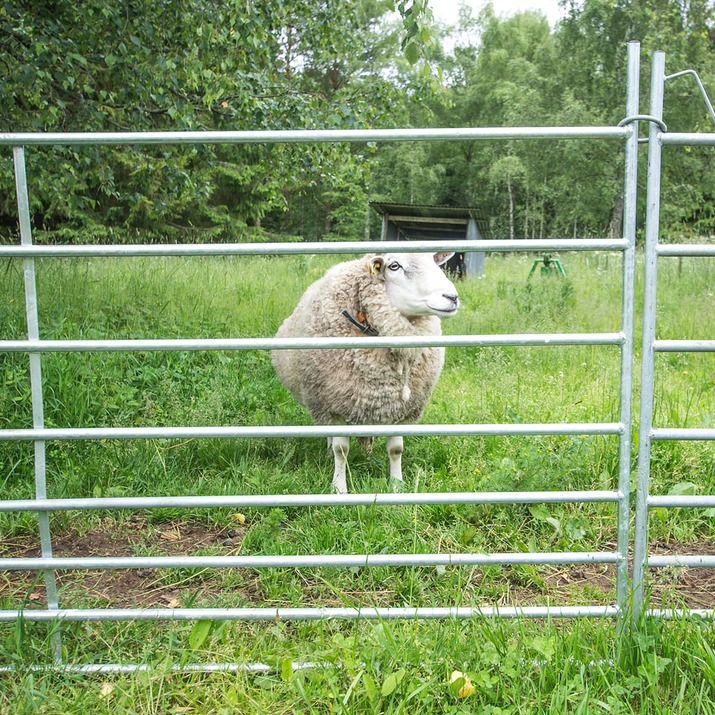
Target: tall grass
x=387 y=667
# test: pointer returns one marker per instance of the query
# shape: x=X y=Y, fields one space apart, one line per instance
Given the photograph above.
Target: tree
x=197 y=64
x=590 y=38
x=517 y=72
x=140 y=65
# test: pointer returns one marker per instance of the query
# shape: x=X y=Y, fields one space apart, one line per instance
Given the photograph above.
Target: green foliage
x=517 y=71
x=192 y=65
x=683 y=30
x=105 y=66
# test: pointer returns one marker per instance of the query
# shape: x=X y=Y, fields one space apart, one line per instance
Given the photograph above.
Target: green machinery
x=549 y=267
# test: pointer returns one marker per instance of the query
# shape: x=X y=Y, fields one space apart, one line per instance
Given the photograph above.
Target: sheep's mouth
x=445 y=312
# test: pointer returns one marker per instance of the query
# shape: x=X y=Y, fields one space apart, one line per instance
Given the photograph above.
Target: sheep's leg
x=341 y=447
x=394 y=451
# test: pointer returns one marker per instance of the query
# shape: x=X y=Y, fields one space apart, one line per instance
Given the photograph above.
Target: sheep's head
x=415 y=283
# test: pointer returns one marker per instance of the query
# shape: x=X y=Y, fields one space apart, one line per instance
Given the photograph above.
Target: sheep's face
x=415 y=283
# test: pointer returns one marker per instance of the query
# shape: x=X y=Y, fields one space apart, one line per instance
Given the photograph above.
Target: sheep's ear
x=376 y=266
x=441 y=258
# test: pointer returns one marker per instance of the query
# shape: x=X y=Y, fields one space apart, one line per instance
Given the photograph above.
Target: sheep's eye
x=394 y=266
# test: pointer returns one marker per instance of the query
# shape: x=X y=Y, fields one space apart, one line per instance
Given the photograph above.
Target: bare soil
x=682 y=587
x=144 y=588
x=123 y=588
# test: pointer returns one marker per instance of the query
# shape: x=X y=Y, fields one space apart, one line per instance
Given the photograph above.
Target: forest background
x=142 y=65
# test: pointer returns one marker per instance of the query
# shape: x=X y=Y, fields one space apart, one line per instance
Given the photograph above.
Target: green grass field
x=391 y=667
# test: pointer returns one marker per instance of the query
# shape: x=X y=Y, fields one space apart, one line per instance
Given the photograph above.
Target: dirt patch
x=681 y=587
x=674 y=587
x=127 y=588
x=162 y=588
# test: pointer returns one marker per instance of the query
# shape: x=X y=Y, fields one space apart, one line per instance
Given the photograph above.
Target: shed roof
x=422 y=217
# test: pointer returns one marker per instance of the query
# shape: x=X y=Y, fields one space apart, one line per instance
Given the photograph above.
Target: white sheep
x=392 y=294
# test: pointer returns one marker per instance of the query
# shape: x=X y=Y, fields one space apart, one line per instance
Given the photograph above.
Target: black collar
x=363 y=325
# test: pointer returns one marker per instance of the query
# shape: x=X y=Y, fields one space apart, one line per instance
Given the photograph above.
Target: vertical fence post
x=630 y=200
x=38 y=418
x=652 y=227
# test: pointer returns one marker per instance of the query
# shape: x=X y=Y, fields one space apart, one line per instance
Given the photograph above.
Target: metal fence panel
x=626 y=133
x=642 y=558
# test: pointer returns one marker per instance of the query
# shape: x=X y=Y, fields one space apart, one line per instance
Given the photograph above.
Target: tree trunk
x=512 y=233
x=616 y=227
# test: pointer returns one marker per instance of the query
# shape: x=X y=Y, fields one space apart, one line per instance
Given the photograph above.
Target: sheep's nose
x=453 y=297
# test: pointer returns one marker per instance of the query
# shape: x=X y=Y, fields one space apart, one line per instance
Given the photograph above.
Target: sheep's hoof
x=397 y=485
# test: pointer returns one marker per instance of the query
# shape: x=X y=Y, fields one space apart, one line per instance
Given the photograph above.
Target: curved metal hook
x=645 y=118
x=701 y=87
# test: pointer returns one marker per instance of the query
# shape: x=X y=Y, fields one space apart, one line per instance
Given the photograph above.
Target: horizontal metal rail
x=158 y=345
x=284 y=249
x=91 y=563
x=307 y=614
x=688 y=560
x=684 y=433
x=116 y=668
x=312 y=136
x=119 y=668
x=299 y=500
x=685 y=138
x=679 y=614
x=678 y=346
x=681 y=500
x=686 y=249
x=254 y=501
x=439 y=430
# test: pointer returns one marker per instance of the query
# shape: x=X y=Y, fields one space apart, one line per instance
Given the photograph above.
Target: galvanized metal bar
x=678 y=614
x=701 y=87
x=38 y=419
x=311 y=614
x=683 y=433
x=640 y=545
x=682 y=346
x=117 y=668
x=312 y=136
x=688 y=139
x=686 y=249
x=225 y=432
x=684 y=500
x=630 y=205
x=452 y=341
x=91 y=563
x=124 y=668
x=255 y=501
x=698 y=501
x=292 y=249
x=688 y=560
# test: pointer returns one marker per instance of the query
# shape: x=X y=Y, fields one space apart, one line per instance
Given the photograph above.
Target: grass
x=574 y=666
x=396 y=668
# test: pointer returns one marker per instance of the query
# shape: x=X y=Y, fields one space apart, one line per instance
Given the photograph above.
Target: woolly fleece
x=357 y=386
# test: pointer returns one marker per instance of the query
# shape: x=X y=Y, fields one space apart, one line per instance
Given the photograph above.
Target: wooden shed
x=408 y=222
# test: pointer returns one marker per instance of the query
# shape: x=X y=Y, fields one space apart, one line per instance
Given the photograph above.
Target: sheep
x=391 y=294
